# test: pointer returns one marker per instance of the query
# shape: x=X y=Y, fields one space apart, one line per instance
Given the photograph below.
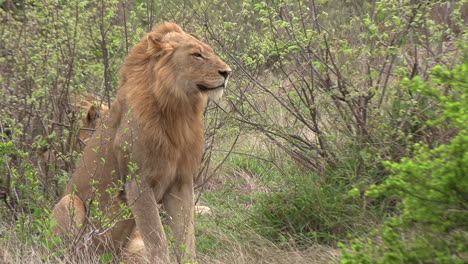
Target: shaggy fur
x=149 y=148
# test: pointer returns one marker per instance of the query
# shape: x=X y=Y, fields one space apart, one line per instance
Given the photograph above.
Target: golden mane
x=148 y=79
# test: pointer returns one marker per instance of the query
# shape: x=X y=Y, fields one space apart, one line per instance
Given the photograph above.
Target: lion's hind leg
x=69 y=214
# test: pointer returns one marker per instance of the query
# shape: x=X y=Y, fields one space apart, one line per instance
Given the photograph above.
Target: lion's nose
x=225 y=74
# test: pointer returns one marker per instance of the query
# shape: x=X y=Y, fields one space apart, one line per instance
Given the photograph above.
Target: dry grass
x=14 y=250
x=259 y=250
x=255 y=250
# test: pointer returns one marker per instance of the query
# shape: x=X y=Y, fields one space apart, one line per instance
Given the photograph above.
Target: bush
x=432 y=186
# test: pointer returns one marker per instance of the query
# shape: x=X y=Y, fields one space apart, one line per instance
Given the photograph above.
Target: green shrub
x=432 y=185
x=25 y=200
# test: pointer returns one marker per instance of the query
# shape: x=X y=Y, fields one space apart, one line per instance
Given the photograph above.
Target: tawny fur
x=149 y=147
x=89 y=110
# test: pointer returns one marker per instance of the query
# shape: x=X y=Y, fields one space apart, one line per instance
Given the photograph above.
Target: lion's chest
x=160 y=155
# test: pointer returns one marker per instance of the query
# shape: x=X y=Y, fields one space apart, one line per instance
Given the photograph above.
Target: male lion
x=149 y=148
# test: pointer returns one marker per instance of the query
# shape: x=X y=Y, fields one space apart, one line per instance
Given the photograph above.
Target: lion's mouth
x=205 y=88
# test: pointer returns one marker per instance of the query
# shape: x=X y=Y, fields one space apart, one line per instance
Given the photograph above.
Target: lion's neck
x=168 y=121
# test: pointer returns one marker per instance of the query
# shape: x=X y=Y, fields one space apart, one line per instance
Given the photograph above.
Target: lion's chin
x=215 y=94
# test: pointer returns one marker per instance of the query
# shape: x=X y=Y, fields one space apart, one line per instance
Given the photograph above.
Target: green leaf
x=106 y=258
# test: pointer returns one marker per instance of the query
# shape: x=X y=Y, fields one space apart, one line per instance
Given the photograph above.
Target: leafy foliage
x=432 y=185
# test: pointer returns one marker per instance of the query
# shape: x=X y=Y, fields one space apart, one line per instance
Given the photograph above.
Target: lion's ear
x=155 y=39
x=156 y=45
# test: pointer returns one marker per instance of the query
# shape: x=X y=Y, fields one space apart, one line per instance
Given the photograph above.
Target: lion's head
x=185 y=68
x=89 y=111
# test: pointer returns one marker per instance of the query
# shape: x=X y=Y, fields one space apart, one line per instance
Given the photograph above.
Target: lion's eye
x=198 y=55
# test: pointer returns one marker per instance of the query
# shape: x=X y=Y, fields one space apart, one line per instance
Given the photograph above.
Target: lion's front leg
x=179 y=204
x=145 y=209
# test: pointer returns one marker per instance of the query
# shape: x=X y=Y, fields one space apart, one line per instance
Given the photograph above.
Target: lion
x=148 y=149
x=85 y=117
x=89 y=111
